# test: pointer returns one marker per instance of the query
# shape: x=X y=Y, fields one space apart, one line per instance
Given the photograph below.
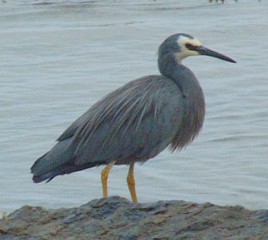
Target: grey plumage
x=126 y=128
x=137 y=121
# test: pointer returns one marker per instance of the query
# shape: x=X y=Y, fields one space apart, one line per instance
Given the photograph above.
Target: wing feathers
x=127 y=119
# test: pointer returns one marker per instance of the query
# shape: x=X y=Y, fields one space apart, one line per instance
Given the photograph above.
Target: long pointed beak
x=205 y=51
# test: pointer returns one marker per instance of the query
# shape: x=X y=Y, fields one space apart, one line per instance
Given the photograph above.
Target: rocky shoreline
x=118 y=218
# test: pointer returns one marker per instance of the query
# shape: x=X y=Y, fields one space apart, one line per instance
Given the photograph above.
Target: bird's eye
x=190 y=46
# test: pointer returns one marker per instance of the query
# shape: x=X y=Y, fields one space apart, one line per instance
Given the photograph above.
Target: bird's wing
x=135 y=122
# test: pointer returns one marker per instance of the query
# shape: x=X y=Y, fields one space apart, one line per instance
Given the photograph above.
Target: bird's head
x=182 y=45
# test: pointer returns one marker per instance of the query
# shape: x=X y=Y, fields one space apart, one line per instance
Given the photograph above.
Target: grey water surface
x=59 y=57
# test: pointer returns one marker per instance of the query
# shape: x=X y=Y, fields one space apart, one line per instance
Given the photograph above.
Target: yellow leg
x=104 y=177
x=131 y=183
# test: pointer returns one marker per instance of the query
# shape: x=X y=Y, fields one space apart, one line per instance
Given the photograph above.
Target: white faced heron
x=135 y=122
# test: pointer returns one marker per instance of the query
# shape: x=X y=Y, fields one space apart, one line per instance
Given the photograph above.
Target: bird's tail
x=58 y=161
x=60 y=170
x=39 y=176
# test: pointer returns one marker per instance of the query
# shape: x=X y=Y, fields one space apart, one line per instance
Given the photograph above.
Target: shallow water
x=59 y=57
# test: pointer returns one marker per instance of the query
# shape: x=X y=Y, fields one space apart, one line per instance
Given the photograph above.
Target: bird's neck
x=185 y=79
x=193 y=100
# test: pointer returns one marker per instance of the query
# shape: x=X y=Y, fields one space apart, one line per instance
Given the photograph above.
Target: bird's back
x=133 y=123
x=129 y=122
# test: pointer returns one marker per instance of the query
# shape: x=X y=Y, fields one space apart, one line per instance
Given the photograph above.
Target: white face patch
x=185 y=52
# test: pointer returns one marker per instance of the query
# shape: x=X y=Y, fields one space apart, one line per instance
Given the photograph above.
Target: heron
x=135 y=122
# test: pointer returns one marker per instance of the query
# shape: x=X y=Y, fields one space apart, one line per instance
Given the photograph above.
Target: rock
x=117 y=218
